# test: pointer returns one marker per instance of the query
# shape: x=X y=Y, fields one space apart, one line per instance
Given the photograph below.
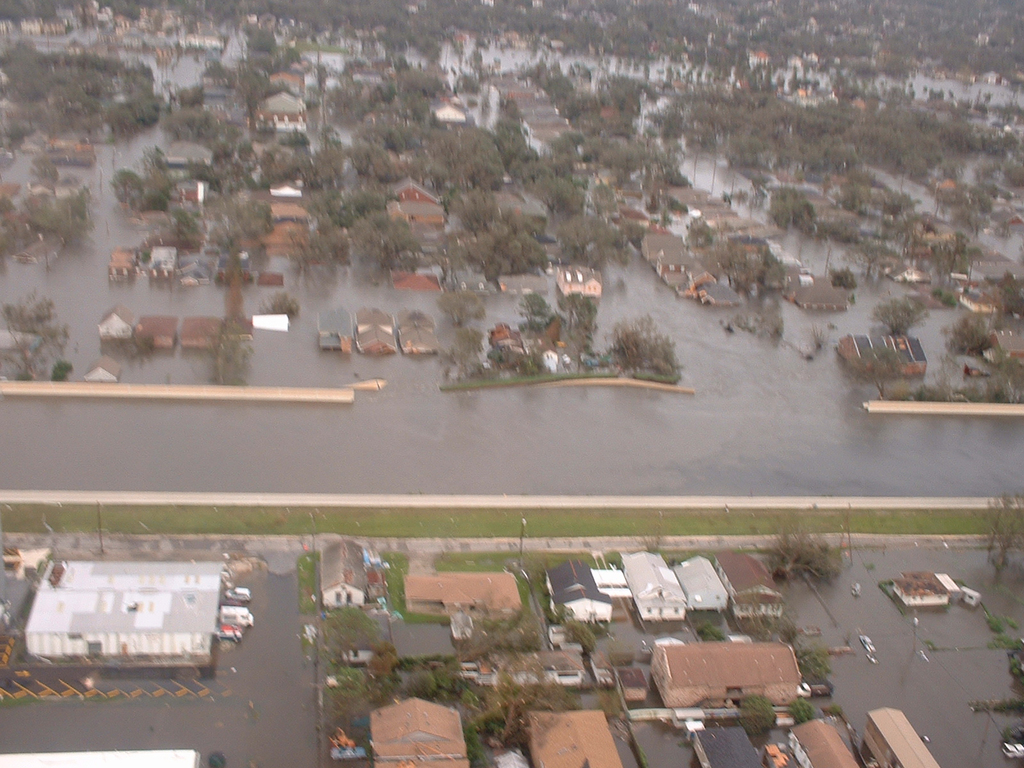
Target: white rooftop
x=651 y=580
x=126 y=597
x=157 y=758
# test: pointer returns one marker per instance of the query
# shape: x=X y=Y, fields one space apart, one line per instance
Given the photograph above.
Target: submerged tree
x=1004 y=523
x=36 y=335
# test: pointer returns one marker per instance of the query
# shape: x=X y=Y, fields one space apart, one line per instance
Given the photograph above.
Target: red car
x=229 y=632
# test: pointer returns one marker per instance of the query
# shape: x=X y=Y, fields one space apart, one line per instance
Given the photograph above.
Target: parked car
x=237 y=615
x=240 y=596
x=229 y=632
x=866 y=642
x=809 y=688
x=1013 y=750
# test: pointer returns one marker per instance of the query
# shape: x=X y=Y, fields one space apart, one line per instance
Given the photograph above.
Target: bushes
x=757 y=715
x=801 y=710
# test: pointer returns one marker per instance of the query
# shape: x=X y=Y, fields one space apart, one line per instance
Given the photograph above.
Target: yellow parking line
x=226 y=692
x=183 y=692
x=26 y=690
x=72 y=691
x=115 y=692
x=138 y=692
x=47 y=690
x=22 y=694
x=159 y=692
x=203 y=692
x=94 y=692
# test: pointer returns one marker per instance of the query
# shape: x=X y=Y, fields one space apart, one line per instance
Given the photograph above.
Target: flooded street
x=764 y=419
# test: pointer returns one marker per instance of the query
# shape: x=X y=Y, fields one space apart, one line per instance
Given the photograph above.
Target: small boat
x=855 y=589
x=866 y=642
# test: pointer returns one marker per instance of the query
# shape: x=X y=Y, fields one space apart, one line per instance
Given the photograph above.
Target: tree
x=790 y=207
x=477 y=210
x=346 y=631
x=61 y=370
x=67 y=219
x=238 y=222
x=638 y=345
x=387 y=242
x=795 y=552
x=969 y=335
x=709 y=633
x=873 y=257
x=1004 y=524
x=510 y=702
x=536 y=312
x=590 y=241
x=899 y=315
x=128 y=188
x=842 y=278
x=580 y=318
x=461 y=307
x=464 y=354
x=801 y=711
x=36 y=335
x=45 y=170
x=232 y=353
x=578 y=632
x=879 y=366
x=281 y=303
x=814 y=661
x=348 y=697
x=506 y=248
x=757 y=715
x=384 y=660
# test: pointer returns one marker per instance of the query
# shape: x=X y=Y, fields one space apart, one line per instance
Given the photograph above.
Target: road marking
x=183 y=692
x=47 y=690
x=23 y=673
x=138 y=692
x=72 y=691
x=27 y=692
x=159 y=692
x=203 y=692
x=94 y=692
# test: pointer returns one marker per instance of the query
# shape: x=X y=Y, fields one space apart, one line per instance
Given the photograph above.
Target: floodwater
x=764 y=419
x=933 y=689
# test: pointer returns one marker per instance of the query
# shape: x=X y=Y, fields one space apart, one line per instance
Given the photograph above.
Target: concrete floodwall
x=916 y=408
x=68 y=389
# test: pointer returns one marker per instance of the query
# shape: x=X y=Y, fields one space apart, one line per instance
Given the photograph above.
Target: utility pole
x=99 y=524
x=522 y=535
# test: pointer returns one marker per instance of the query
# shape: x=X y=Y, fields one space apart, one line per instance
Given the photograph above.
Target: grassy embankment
x=522 y=381
x=479 y=523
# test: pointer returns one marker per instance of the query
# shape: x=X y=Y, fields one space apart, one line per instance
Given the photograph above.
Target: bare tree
x=36 y=336
x=1004 y=523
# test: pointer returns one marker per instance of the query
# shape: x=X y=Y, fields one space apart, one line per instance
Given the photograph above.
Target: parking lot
x=259 y=710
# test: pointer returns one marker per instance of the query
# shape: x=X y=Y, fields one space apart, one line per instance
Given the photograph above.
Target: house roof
x=199 y=331
x=108 y=364
x=901 y=738
x=416 y=209
x=699 y=580
x=729 y=665
x=560 y=661
x=919 y=584
x=658 y=246
x=414 y=281
x=650 y=578
x=631 y=677
x=121 y=258
x=1009 y=342
x=335 y=321
x=821 y=295
x=824 y=746
x=343 y=562
x=285 y=211
x=408 y=319
x=575 y=275
x=744 y=571
x=728 y=748
x=573 y=580
x=418 y=730
x=407 y=183
x=572 y=740
x=188 y=152
x=719 y=293
x=156 y=325
x=489 y=591
x=371 y=316
x=284 y=103
x=907 y=347
x=122 y=312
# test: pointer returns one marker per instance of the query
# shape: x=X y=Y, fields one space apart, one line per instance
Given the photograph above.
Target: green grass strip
x=406 y=522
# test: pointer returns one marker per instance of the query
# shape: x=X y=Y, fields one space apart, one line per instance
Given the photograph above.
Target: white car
x=241 y=594
x=866 y=642
x=1012 y=750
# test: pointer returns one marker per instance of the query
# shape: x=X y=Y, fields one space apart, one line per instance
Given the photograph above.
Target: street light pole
x=522 y=535
x=99 y=524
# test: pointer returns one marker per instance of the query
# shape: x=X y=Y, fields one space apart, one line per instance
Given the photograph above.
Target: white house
x=350 y=574
x=117 y=324
x=572 y=587
x=579 y=280
x=125 y=610
x=105 y=370
x=656 y=591
x=703 y=589
x=920 y=589
x=449 y=114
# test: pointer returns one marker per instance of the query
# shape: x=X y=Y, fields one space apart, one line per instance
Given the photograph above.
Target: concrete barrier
x=916 y=408
x=658 y=386
x=210 y=393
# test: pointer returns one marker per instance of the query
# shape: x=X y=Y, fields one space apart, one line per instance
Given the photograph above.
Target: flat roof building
x=126 y=610
x=891 y=742
x=131 y=758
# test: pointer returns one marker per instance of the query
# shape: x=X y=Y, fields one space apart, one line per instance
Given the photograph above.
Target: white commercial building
x=153 y=758
x=655 y=588
x=125 y=609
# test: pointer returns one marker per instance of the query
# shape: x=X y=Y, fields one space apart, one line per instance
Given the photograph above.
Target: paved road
x=424 y=501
